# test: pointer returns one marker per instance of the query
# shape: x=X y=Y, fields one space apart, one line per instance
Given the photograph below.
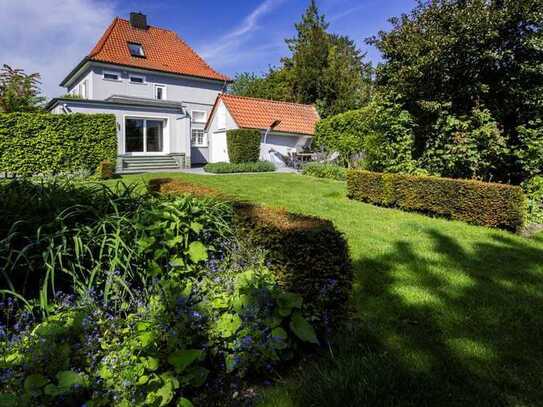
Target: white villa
x=171 y=107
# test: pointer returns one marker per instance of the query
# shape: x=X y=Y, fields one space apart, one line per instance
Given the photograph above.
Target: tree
x=325 y=69
x=466 y=54
x=19 y=92
x=273 y=85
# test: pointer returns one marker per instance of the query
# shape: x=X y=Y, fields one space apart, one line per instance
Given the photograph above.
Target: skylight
x=136 y=50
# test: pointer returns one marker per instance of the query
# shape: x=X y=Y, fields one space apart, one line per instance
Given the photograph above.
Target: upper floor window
x=137 y=79
x=112 y=76
x=199 y=116
x=160 y=92
x=136 y=50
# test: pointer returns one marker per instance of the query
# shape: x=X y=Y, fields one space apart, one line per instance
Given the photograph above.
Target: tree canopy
x=323 y=69
x=19 y=92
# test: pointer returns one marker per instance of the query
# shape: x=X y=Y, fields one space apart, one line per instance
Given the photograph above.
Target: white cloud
x=229 y=44
x=50 y=36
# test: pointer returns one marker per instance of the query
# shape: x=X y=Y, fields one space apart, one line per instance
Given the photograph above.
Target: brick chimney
x=138 y=20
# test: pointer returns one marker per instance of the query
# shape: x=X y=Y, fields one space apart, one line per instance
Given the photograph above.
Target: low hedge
x=307 y=254
x=329 y=171
x=479 y=203
x=243 y=145
x=230 y=168
x=38 y=143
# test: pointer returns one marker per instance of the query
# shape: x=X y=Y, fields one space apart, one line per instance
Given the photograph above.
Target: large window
x=144 y=135
x=199 y=138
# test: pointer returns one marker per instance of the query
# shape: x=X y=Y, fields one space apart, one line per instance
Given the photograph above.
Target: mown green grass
x=444 y=313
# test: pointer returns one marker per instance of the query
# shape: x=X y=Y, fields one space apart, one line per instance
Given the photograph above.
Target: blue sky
x=51 y=36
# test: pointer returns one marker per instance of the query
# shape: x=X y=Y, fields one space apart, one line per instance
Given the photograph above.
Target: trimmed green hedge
x=229 y=168
x=480 y=203
x=243 y=145
x=37 y=143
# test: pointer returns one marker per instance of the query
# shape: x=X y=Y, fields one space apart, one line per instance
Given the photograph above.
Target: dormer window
x=136 y=50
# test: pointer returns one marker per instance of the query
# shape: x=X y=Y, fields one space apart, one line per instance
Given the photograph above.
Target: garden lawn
x=444 y=313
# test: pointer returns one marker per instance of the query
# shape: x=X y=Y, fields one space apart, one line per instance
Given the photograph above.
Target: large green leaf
x=228 y=324
x=69 y=378
x=197 y=252
x=35 y=382
x=183 y=358
x=183 y=402
x=287 y=302
x=303 y=329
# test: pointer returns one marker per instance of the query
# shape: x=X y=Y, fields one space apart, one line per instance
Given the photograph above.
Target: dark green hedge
x=36 y=143
x=229 y=168
x=307 y=254
x=480 y=203
x=243 y=145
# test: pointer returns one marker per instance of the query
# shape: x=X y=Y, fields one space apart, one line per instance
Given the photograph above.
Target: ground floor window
x=199 y=138
x=144 y=135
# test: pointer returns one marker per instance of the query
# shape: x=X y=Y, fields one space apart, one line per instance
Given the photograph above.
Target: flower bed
x=144 y=300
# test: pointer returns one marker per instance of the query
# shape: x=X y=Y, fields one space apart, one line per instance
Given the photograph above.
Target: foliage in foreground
x=480 y=203
x=149 y=303
x=230 y=168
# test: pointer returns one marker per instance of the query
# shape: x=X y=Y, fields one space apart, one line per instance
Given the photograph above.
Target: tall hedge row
x=243 y=145
x=480 y=203
x=37 y=143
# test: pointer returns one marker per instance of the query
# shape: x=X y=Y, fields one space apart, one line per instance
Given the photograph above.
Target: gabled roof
x=252 y=113
x=164 y=51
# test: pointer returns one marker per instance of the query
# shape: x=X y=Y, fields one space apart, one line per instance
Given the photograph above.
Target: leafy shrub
x=161 y=298
x=534 y=194
x=306 y=254
x=105 y=169
x=228 y=168
x=37 y=143
x=480 y=203
x=325 y=171
x=470 y=146
x=530 y=150
x=243 y=145
x=382 y=132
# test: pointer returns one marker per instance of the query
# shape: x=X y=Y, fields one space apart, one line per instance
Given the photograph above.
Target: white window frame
x=117 y=74
x=198 y=111
x=142 y=55
x=164 y=92
x=142 y=77
x=145 y=118
x=204 y=142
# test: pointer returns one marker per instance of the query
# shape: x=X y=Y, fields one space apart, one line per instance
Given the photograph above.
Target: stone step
x=149 y=164
x=148 y=169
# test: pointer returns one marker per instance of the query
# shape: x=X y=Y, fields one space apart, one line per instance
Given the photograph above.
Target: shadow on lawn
x=460 y=328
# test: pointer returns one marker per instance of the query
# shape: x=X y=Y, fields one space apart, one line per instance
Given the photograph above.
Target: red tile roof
x=252 y=113
x=164 y=51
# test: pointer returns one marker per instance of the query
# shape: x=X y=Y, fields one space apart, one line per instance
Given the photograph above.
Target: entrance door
x=144 y=136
